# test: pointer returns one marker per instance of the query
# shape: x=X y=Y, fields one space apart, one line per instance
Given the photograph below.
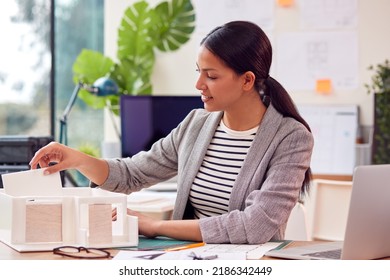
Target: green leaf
x=380 y=81
x=141 y=31
x=175 y=25
x=134 y=78
x=92 y=100
x=88 y=67
x=135 y=41
x=380 y=86
x=91 y=65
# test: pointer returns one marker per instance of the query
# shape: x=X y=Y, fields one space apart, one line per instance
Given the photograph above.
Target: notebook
x=368 y=226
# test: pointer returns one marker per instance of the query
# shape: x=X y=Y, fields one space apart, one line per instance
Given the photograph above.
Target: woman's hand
x=177 y=229
x=63 y=156
x=147 y=226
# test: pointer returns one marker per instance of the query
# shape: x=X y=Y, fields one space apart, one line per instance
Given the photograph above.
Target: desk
x=333 y=177
x=7 y=253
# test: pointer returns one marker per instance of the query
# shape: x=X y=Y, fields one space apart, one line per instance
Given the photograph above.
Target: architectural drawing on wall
x=313 y=56
x=210 y=14
x=317 y=56
x=327 y=14
x=334 y=129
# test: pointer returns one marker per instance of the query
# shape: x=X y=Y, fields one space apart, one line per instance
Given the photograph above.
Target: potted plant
x=142 y=31
x=380 y=87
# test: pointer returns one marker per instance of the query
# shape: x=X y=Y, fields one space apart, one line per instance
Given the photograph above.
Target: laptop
x=368 y=226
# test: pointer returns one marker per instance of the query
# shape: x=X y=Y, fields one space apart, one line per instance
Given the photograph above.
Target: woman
x=241 y=163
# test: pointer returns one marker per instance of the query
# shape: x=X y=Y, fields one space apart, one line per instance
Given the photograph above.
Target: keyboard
x=331 y=254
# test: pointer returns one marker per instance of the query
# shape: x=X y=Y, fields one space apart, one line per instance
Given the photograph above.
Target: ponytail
x=282 y=102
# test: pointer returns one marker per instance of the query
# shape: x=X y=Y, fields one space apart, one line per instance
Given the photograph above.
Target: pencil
x=189 y=246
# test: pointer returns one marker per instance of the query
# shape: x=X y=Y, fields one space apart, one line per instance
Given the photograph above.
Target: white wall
x=374 y=47
x=175 y=72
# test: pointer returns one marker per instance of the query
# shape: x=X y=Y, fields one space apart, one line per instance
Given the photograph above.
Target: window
x=25 y=68
x=40 y=42
x=78 y=24
x=43 y=39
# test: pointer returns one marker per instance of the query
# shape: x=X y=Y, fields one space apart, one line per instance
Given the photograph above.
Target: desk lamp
x=101 y=87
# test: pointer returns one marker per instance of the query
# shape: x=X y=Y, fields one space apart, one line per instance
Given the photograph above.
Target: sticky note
x=324 y=86
x=285 y=3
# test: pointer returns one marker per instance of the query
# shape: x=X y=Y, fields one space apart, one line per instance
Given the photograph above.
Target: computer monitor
x=146 y=119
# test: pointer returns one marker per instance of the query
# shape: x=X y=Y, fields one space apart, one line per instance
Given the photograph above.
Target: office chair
x=327 y=209
x=297 y=226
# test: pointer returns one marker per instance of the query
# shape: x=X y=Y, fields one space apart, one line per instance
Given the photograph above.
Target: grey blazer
x=265 y=190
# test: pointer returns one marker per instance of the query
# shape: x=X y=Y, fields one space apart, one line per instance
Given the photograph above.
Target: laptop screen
x=368 y=227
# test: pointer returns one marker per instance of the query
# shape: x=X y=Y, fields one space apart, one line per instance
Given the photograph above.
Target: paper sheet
x=251 y=252
x=317 y=56
x=32 y=183
x=178 y=255
x=210 y=14
x=334 y=130
x=328 y=14
x=221 y=251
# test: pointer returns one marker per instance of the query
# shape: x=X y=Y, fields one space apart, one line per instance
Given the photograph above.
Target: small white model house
x=67 y=216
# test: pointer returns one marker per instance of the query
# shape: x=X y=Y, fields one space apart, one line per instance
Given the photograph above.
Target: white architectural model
x=74 y=216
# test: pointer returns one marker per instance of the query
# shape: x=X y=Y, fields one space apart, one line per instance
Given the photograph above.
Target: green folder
x=157 y=244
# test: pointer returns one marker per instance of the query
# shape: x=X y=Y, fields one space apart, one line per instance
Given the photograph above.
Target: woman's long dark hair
x=243 y=46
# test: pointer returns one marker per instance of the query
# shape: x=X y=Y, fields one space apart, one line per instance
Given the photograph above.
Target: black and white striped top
x=211 y=189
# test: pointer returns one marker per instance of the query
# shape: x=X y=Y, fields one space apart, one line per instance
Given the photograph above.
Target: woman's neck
x=247 y=115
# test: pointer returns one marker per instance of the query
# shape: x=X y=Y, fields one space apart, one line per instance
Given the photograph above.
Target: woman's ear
x=249 y=80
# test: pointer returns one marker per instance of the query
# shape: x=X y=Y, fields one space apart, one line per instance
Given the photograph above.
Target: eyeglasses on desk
x=82 y=252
